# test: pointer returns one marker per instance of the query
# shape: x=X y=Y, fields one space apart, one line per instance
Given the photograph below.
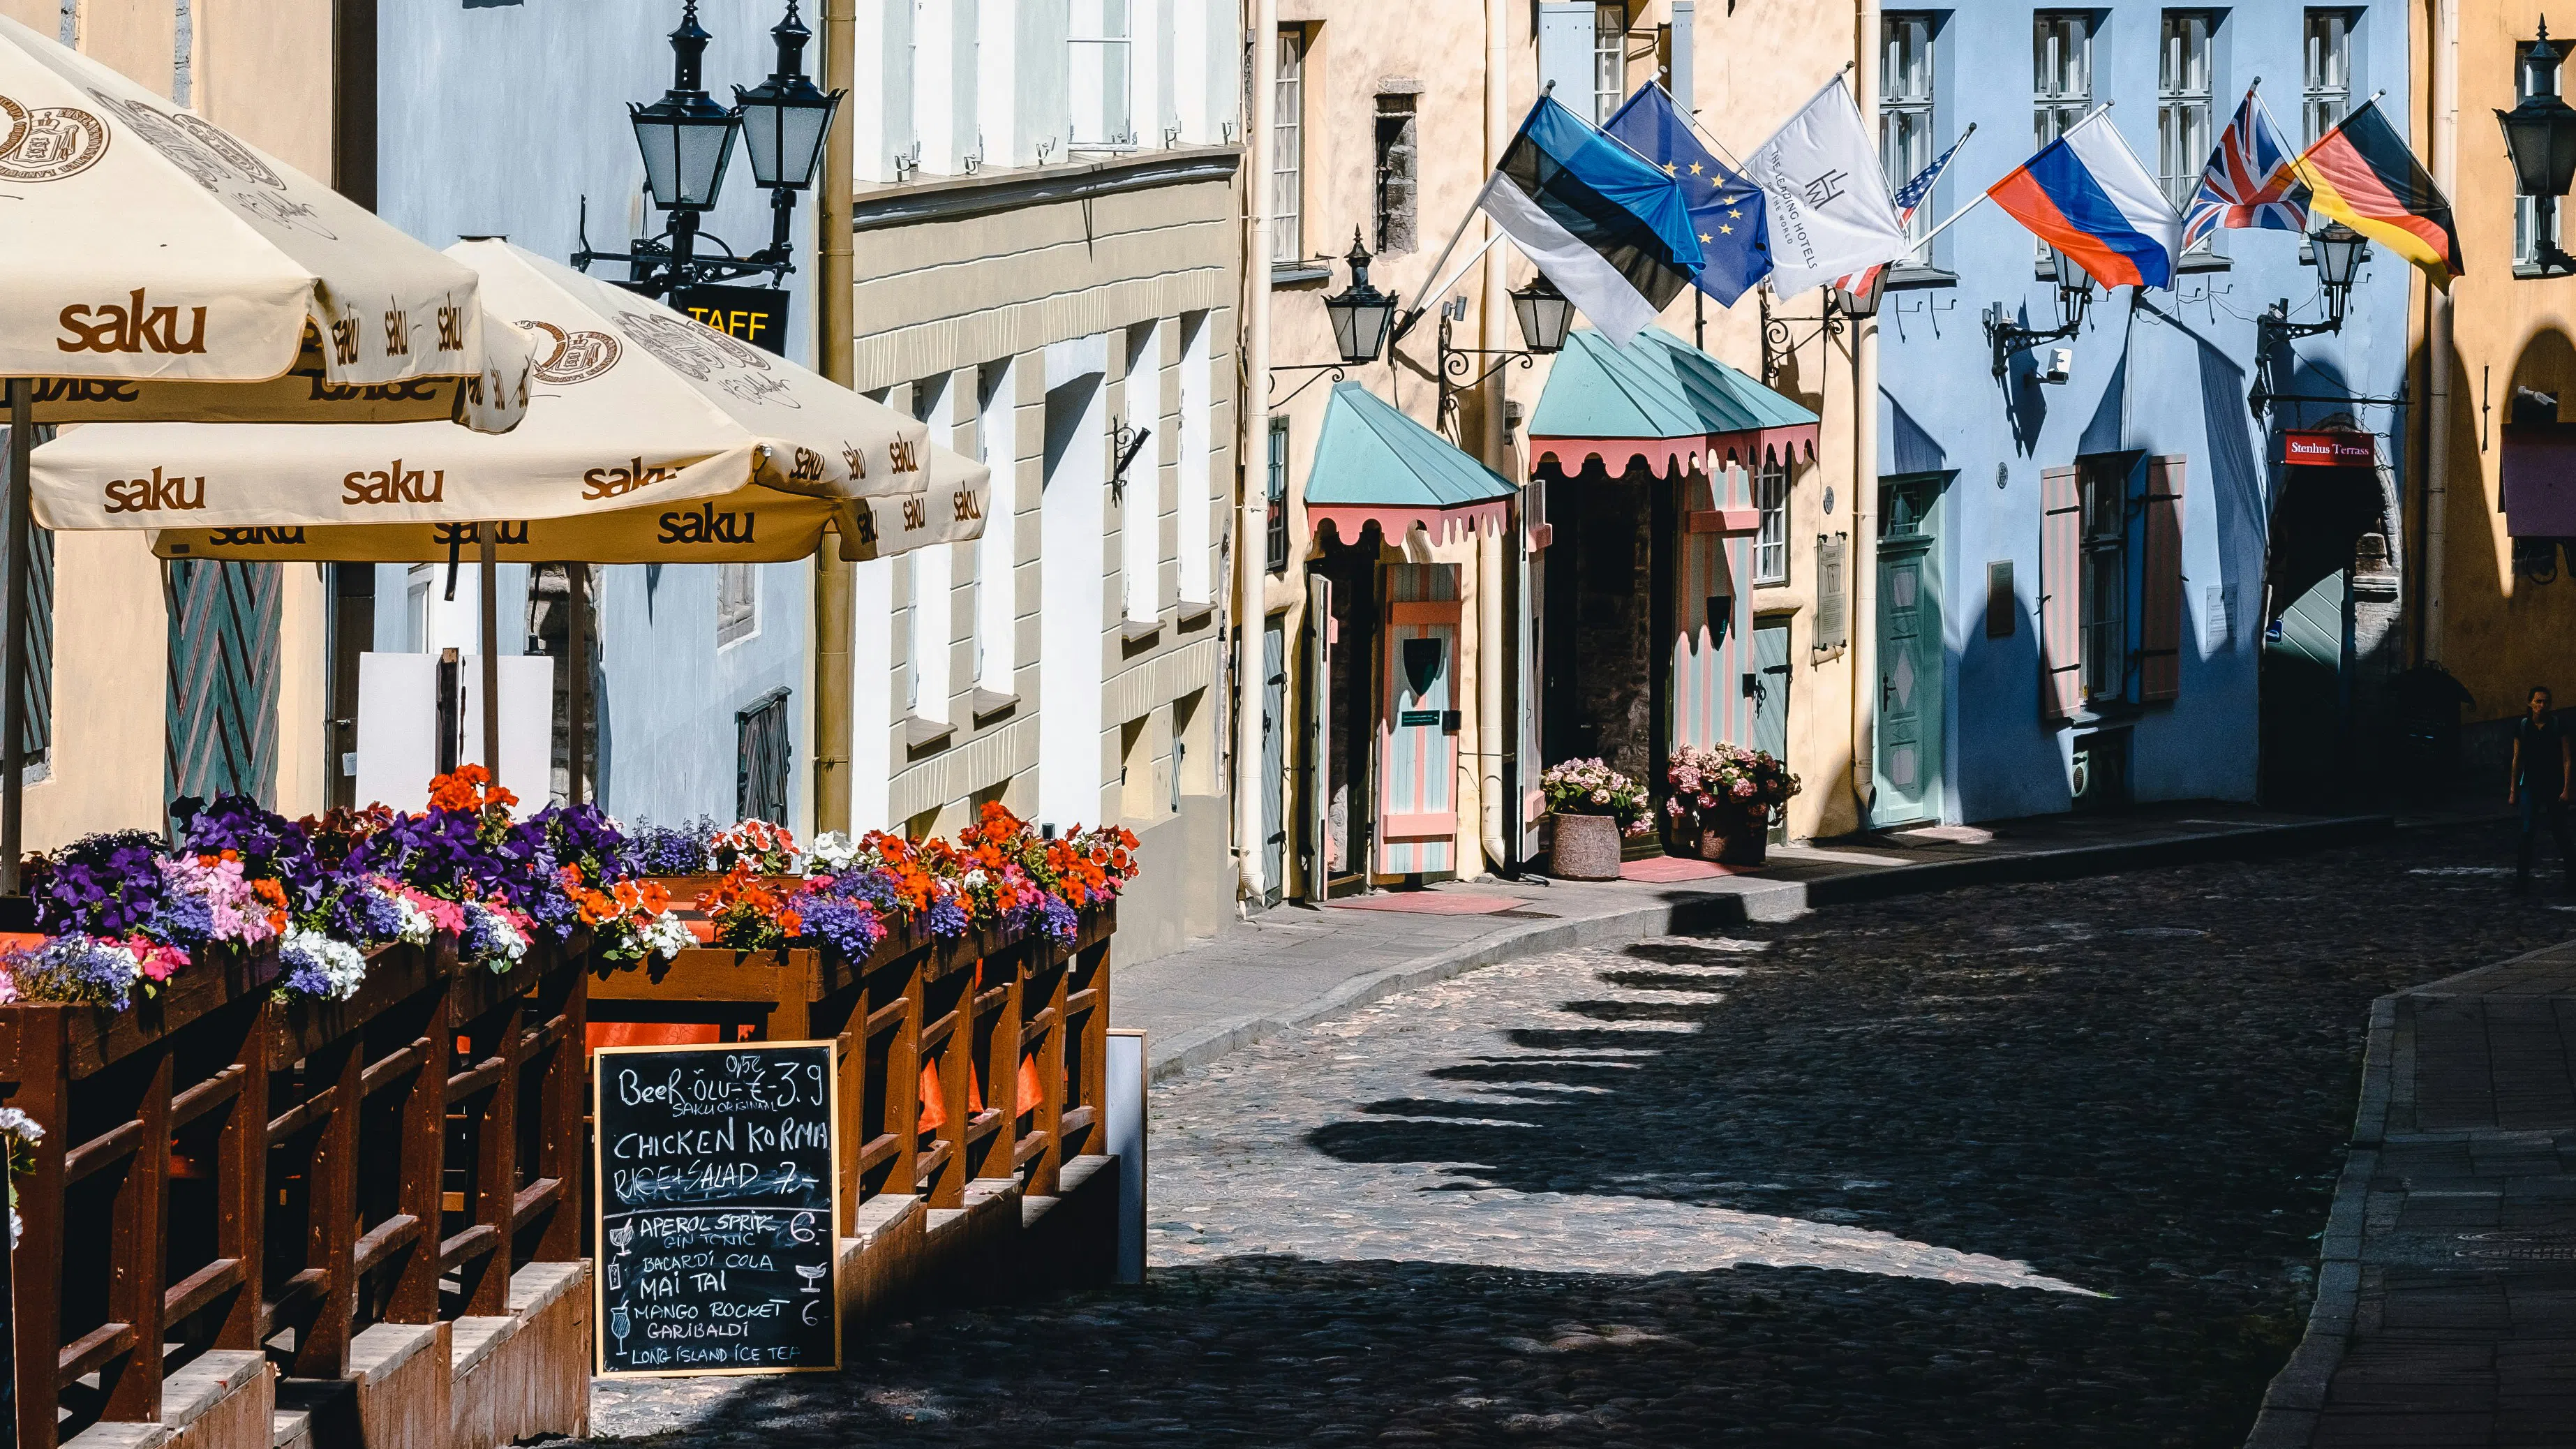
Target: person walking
x=2539 y=782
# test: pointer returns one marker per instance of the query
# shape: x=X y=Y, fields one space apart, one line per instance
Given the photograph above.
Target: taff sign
x=757 y=315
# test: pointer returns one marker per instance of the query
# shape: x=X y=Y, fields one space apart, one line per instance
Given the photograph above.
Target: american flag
x=2250 y=181
x=1909 y=198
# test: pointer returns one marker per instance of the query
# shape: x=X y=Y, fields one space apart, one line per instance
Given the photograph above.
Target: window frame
x=2325 y=43
x=1288 y=149
x=2056 y=105
x=1116 y=57
x=1770 y=487
x=1397 y=165
x=1275 y=482
x=2102 y=582
x=2185 y=107
x=746 y=624
x=1609 y=58
x=761 y=723
x=1909 y=119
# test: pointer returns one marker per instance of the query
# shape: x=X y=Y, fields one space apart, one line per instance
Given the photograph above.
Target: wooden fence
x=973 y=1078
x=256 y=1224
x=380 y=1197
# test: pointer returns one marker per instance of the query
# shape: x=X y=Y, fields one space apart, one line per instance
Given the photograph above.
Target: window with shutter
x=1833 y=600
x=2061 y=617
x=1565 y=31
x=1677 y=51
x=2160 y=621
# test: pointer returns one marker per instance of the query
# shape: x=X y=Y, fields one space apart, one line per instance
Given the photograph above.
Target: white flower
x=14 y=1123
x=513 y=941
x=830 y=853
x=666 y=936
x=417 y=927
x=341 y=965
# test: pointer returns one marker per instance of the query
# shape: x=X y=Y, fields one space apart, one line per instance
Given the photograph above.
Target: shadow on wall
x=1911 y=449
x=2025 y=396
x=2009 y=761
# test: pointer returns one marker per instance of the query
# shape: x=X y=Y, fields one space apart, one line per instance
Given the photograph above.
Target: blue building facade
x=505 y=120
x=2078 y=567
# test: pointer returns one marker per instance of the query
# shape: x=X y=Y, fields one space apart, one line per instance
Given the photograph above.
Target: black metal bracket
x=1128 y=442
x=1780 y=341
x=657 y=265
x=2010 y=339
x=1324 y=372
x=2262 y=398
x=1459 y=370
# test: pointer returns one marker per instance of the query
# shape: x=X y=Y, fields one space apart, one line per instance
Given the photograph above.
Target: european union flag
x=1725 y=209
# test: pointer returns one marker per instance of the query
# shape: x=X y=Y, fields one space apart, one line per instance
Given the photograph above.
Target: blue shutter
x=1565 y=52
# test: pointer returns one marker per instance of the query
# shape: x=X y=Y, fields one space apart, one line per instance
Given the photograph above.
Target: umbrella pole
x=577 y=687
x=13 y=618
x=487 y=535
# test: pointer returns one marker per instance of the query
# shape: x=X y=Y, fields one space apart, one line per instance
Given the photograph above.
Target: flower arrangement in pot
x=1723 y=799
x=1593 y=806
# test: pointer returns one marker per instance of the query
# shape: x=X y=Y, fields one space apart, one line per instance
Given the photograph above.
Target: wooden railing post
x=414 y=1298
x=950 y=1034
x=41 y=1070
x=496 y=1160
x=998 y=1040
x=559 y=1141
x=138 y=1271
x=241 y=1180
x=331 y=1210
x=1046 y=993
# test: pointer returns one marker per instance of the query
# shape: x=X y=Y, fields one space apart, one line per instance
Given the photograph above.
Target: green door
x=1909 y=684
x=1771 y=697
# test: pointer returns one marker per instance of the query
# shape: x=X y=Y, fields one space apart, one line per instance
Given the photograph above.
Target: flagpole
x=1405 y=323
x=1699 y=130
x=1953 y=216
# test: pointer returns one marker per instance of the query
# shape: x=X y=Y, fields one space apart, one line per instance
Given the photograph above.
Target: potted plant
x=1591 y=807
x=1723 y=800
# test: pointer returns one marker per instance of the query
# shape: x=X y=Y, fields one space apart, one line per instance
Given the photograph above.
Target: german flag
x=2363 y=175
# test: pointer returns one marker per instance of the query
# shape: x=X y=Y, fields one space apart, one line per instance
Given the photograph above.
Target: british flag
x=1908 y=198
x=2250 y=181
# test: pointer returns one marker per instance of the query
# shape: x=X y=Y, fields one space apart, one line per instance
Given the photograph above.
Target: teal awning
x=1661 y=400
x=1374 y=464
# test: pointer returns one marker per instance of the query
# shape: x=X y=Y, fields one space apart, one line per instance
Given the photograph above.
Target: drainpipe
x=1491 y=731
x=1253 y=455
x=1862 y=626
x=2437 y=441
x=832 y=341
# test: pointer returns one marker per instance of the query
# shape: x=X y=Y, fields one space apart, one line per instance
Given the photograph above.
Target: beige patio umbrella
x=159 y=268
x=649 y=438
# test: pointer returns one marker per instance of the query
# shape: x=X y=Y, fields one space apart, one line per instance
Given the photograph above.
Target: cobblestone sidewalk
x=1296 y=964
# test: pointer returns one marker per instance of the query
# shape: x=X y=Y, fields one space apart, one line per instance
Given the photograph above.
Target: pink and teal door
x=1418 y=722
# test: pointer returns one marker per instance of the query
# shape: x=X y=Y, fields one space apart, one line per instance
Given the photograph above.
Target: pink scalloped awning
x=1395 y=520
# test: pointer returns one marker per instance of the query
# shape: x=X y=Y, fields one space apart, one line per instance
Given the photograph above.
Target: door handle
x=1886 y=691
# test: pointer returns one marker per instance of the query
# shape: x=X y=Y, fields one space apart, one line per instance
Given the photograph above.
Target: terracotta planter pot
x=1732 y=838
x=1586 y=847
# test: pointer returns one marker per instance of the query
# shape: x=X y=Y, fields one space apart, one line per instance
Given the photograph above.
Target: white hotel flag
x=1830 y=214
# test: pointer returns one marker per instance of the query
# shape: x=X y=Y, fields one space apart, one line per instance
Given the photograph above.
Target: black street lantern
x=2540 y=133
x=1360 y=313
x=2340 y=251
x=686 y=138
x=1862 y=305
x=1544 y=314
x=786 y=117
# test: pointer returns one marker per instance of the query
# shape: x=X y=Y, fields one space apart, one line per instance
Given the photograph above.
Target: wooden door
x=222 y=711
x=1418 y=722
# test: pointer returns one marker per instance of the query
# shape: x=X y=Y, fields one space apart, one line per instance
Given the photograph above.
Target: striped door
x=1417 y=752
x=1711 y=616
x=222 y=711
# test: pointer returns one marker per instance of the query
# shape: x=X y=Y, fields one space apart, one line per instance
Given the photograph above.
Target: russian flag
x=2086 y=195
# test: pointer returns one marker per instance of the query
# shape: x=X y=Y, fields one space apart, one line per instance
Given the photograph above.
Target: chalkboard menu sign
x=718 y=1199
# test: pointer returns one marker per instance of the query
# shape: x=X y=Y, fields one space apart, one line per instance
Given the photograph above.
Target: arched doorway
x=2331 y=495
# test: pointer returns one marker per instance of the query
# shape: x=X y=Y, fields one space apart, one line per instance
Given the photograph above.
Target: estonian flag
x=1609 y=229
x=1725 y=209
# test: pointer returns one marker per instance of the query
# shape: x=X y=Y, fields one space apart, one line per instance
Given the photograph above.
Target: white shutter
x=1565 y=52
x=1679 y=82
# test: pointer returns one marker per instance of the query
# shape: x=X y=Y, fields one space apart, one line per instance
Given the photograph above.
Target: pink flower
x=158 y=962
x=1744 y=790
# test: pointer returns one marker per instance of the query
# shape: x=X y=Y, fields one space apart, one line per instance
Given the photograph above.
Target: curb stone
x=1767 y=902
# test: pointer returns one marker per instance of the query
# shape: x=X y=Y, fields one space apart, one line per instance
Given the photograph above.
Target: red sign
x=2330 y=449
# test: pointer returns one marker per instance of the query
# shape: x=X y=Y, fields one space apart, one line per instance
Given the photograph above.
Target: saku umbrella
x=161 y=268
x=649 y=438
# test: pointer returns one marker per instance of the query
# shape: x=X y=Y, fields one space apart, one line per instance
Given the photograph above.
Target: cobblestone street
x=2035 y=1164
